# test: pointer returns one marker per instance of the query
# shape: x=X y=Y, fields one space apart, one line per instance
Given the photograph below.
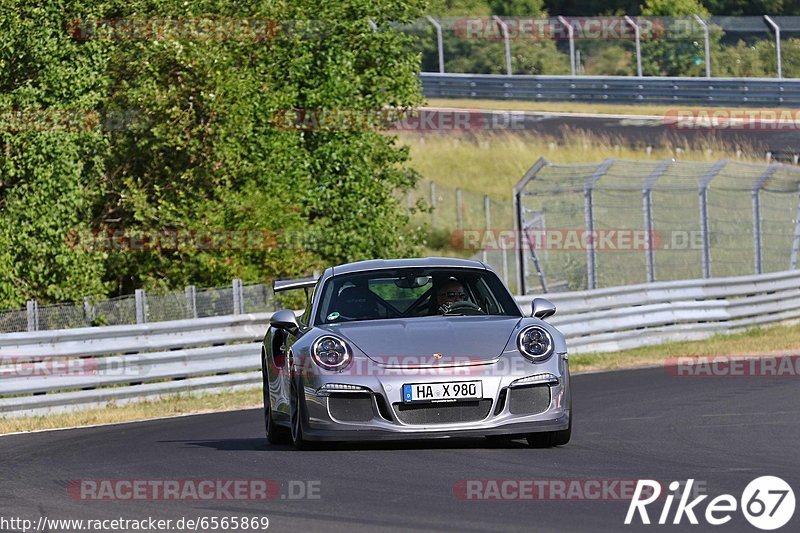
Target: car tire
x=276 y=434
x=297 y=415
x=549 y=439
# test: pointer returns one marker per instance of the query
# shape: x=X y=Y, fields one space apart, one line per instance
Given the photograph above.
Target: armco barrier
x=89 y=367
x=748 y=92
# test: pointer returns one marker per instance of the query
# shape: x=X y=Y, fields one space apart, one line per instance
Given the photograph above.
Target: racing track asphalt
x=629 y=425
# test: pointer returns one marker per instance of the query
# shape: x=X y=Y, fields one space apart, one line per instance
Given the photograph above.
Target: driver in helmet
x=449 y=292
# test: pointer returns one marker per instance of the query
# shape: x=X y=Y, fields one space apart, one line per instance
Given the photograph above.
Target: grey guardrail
x=615 y=89
x=51 y=371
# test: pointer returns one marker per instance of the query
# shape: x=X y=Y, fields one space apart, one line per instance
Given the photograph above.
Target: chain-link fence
x=627 y=222
x=141 y=308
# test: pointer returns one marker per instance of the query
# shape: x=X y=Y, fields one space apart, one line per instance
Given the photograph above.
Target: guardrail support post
x=777 y=44
x=141 y=306
x=439 y=42
x=637 y=36
x=191 y=301
x=504 y=31
x=238 y=297
x=33 y=315
x=707 y=46
x=571 y=35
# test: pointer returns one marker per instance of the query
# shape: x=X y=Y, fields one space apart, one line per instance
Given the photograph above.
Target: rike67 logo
x=767 y=503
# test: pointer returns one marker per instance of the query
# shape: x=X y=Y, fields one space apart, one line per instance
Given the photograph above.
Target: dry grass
x=562 y=107
x=176 y=405
x=776 y=339
x=492 y=163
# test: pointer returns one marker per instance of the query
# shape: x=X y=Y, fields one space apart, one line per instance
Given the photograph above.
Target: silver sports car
x=410 y=349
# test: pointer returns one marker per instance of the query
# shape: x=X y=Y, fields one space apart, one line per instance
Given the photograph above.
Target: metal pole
x=571 y=34
x=650 y=260
x=756 y=198
x=459 y=210
x=705 y=234
x=637 y=36
x=707 y=44
x=777 y=43
x=141 y=306
x=506 y=40
x=238 y=304
x=518 y=242
x=588 y=212
x=486 y=212
x=796 y=240
x=32 y=308
x=191 y=300
x=439 y=42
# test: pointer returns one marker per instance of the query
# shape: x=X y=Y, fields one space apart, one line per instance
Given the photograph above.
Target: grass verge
x=776 y=339
x=567 y=107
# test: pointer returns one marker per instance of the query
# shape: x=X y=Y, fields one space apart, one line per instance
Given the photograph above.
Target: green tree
x=678 y=49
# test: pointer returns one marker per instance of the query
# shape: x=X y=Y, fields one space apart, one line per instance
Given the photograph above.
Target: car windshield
x=413 y=292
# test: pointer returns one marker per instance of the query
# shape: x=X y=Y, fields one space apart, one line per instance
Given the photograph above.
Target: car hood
x=412 y=342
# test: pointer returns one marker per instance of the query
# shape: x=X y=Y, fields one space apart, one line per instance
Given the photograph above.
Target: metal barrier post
x=777 y=43
x=756 y=199
x=650 y=260
x=504 y=31
x=238 y=297
x=588 y=213
x=705 y=235
x=191 y=300
x=571 y=35
x=32 y=307
x=796 y=239
x=141 y=306
x=439 y=43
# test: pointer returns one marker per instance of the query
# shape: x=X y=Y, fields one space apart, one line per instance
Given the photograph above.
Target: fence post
x=191 y=301
x=33 y=315
x=141 y=306
x=588 y=216
x=433 y=204
x=650 y=260
x=796 y=239
x=705 y=235
x=504 y=31
x=459 y=210
x=777 y=43
x=571 y=35
x=637 y=37
x=756 y=199
x=88 y=311
x=238 y=297
x=707 y=46
x=439 y=43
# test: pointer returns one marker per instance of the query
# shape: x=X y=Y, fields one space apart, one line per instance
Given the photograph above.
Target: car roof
x=425 y=262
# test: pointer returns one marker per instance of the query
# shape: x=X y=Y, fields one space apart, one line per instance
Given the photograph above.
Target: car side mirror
x=284 y=319
x=542 y=308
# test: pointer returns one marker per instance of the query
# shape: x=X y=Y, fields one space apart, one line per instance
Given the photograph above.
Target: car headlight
x=331 y=353
x=535 y=343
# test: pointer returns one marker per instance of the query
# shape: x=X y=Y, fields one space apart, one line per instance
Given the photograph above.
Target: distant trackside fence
x=50 y=371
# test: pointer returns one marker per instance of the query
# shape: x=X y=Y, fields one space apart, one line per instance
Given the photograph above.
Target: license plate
x=442 y=392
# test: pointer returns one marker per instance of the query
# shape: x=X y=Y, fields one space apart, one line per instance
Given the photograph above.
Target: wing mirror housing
x=284 y=319
x=542 y=308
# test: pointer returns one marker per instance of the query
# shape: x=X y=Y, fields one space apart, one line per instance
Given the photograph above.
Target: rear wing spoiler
x=291 y=284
